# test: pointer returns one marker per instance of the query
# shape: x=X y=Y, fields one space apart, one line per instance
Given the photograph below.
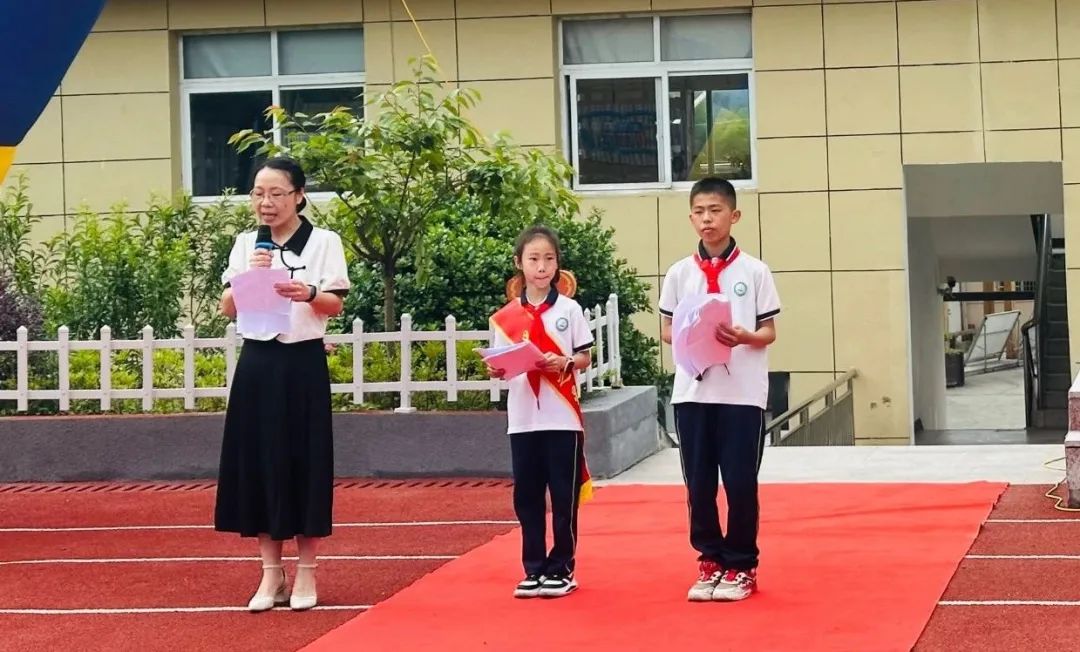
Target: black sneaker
x=529 y=587
x=557 y=586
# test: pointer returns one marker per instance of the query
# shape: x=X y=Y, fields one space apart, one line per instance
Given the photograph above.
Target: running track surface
x=135 y=567
x=167 y=581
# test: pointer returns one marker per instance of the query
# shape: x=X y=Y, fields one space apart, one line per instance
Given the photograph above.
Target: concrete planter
x=1072 y=447
x=620 y=425
x=1072 y=469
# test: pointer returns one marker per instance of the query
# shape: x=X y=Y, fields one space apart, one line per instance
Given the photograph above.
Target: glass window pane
x=616 y=123
x=313 y=101
x=215 y=164
x=226 y=55
x=725 y=36
x=710 y=127
x=621 y=40
x=322 y=100
x=327 y=50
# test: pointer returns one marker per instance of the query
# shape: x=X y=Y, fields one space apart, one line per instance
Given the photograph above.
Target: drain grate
x=102 y=487
x=439 y=483
x=171 y=487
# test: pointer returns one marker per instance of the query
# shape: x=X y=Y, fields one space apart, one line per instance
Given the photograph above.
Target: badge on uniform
x=562 y=324
x=740 y=289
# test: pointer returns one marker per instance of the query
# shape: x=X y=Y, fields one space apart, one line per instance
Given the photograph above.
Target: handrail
x=802 y=409
x=1032 y=377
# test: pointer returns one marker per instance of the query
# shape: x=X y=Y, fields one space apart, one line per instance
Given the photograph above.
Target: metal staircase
x=1046 y=335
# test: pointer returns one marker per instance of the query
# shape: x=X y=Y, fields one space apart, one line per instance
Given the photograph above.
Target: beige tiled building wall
x=846 y=92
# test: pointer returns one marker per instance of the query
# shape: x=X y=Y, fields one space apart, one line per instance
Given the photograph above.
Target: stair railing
x=825 y=419
x=1033 y=344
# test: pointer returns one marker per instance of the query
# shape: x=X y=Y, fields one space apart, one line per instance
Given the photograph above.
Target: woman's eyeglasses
x=274 y=195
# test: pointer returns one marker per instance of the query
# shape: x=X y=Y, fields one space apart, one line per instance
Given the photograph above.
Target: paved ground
x=1016 y=464
x=985 y=431
x=986 y=436
x=990 y=401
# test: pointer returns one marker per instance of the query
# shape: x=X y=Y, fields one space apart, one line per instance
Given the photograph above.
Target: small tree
x=209 y=232
x=396 y=172
x=20 y=261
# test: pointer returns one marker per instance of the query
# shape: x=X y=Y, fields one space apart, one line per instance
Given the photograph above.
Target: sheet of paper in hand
x=259 y=308
x=693 y=342
x=514 y=359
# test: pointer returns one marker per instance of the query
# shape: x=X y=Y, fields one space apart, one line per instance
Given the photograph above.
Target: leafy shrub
x=119 y=270
x=467 y=260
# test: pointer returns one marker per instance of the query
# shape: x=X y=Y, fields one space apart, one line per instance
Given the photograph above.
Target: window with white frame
x=229 y=80
x=658 y=100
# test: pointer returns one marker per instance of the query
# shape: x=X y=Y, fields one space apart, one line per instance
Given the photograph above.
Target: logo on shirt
x=740 y=289
x=562 y=324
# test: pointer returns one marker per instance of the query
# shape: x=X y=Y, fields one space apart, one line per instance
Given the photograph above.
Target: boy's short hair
x=714 y=186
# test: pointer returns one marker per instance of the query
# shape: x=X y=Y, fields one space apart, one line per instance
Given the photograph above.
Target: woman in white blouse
x=275 y=480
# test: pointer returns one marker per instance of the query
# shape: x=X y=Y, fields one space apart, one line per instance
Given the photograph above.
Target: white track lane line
x=160 y=560
x=170 y=610
x=1014 y=603
x=128 y=528
x=1035 y=557
x=162 y=610
x=1009 y=603
x=1033 y=520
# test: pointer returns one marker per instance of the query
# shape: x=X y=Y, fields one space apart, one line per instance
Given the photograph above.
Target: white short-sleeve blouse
x=317 y=258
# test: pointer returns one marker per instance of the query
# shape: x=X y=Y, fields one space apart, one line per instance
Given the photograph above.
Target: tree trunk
x=389 y=273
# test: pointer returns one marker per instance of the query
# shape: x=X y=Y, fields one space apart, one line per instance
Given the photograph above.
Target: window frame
x=275 y=83
x=662 y=71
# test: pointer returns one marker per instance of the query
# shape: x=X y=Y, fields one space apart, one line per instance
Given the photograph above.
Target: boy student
x=719 y=415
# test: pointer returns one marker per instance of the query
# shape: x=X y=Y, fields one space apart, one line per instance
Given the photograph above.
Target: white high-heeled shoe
x=267 y=602
x=303 y=602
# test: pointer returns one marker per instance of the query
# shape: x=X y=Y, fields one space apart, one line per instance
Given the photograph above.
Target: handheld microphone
x=263 y=240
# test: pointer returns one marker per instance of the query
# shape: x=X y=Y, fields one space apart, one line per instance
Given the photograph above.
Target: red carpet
x=844 y=567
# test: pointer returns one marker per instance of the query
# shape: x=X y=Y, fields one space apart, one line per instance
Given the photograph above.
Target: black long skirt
x=276 y=474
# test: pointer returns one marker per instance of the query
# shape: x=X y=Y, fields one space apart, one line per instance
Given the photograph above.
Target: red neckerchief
x=713 y=267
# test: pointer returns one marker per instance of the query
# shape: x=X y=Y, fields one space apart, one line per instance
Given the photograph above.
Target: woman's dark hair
x=535 y=232
x=292 y=170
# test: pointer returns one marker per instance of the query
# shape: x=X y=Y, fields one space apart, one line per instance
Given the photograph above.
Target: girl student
x=544 y=418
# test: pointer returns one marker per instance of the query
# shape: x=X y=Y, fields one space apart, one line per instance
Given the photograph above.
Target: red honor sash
x=518 y=322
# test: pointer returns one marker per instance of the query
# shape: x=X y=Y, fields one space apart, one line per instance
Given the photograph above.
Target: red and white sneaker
x=736 y=585
x=709 y=574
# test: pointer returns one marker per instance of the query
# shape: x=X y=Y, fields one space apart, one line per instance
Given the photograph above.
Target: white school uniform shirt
x=320 y=257
x=565 y=323
x=748 y=285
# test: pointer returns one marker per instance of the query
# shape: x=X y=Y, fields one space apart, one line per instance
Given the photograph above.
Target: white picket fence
x=606 y=370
